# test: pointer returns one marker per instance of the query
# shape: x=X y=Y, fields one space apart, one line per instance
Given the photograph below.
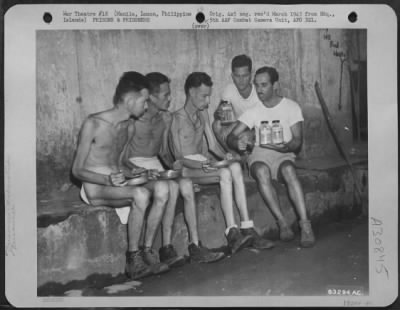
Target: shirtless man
x=274 y=161
x=148 y=142
x=186 y=139
x=97 y=164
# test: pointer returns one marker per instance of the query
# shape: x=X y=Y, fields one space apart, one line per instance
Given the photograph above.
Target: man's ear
x=129 y=98
x=276 y=86
x=192 y=92
x=153 y=97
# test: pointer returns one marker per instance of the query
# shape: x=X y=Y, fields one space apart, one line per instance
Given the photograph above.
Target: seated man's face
x=241 y=77
x=200 y=96
x=162 y=99
x=137 y=102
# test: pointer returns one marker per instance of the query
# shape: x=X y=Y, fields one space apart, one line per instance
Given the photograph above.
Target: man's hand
x=153 y=174
x=138 y=170
x=246 y=141
x=228 y=156
x=177 y=165
x=219 y=113
x=117 y=179
x=281 y=147
x=207 y=167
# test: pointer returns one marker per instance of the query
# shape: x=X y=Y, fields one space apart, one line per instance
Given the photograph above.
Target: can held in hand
x=265 y=133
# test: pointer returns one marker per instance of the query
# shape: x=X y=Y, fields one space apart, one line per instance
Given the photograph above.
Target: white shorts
x=123 y=213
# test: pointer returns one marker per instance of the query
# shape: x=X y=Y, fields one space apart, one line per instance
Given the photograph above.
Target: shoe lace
x=151 y=255
x=137 y=259
x=306 y=226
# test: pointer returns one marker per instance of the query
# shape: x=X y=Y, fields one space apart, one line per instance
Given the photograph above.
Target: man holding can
x=275 y=161
x=241 y=95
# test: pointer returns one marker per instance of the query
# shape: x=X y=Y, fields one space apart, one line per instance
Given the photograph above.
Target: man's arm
x=86 y=137
x=233 y=140
x=125 y=155
x=294 y=145
x=165 y=153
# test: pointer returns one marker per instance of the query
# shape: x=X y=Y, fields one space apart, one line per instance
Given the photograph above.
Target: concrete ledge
x=76 y=240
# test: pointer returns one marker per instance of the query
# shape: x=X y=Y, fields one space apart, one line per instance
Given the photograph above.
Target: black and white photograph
x=204 y=160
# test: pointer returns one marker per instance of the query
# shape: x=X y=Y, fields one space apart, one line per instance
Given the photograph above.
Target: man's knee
x=161 y=190
x=173 y=187
x=225 y=175
x=288 y=171
x=236 y=170
x=141 y=197
x=260 y=171
x=186 y=187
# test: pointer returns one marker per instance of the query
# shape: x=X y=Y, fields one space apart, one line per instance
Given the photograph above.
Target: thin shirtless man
x=97 y=164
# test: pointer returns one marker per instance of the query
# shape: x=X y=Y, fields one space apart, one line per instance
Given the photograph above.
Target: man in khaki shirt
x=189 y=148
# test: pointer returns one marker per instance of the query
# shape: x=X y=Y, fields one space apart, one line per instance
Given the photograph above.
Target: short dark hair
x=273 y=74
x=241 y=61
x=155 y=80
x=196 y=79
x=130 y=81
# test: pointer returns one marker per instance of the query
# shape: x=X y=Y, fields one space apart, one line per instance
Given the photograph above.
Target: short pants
x=271 y=158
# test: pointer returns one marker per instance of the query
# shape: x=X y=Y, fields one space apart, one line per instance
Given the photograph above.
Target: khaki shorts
x=272 y=159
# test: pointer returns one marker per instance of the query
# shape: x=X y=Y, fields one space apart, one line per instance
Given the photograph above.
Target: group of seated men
x=139 y=134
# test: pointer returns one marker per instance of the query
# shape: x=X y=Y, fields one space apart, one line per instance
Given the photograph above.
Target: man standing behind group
x=97 y=164
x=188 y=145
x=149 y=136
x=272 y=161
x=241 y=94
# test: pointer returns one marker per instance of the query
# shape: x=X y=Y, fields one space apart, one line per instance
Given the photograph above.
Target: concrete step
x=76 y=240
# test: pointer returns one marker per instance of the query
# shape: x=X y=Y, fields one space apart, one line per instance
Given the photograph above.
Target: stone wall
x=77 y=72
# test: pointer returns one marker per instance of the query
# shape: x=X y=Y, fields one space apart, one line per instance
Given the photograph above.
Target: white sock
x=246 y=224
x=228 y=228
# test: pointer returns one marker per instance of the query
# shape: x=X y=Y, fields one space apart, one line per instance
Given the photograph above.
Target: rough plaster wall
x=77 y=72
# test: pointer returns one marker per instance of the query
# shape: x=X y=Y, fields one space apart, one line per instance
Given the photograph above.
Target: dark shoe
x=150 y=257
x=236 y=241
x=285 y=232
x=135 y=267
x=169 y=256
x=307 y=238
x=200 y=254
x=258 y=242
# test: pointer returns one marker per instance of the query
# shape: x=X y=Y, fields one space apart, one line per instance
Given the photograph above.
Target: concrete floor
x=338 y=260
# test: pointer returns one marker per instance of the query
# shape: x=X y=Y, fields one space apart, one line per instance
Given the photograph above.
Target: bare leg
x=169 y=214
x=136 y=197
x=136 y=219
x=295 y=190
x=186 y=188
x=160 y=198
x=226 y=195
x=261 y=173
x=240 y=191
x=224 y=177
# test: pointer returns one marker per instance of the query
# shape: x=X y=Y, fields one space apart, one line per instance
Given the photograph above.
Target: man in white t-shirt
x=273 y=161
x=241 y=94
